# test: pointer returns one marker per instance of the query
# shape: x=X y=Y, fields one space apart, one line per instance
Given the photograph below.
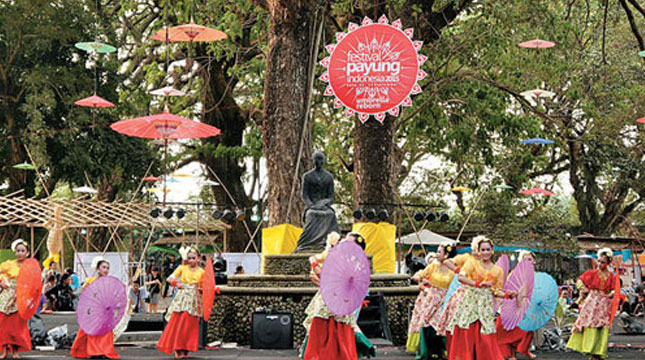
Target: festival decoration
x=101 y=306
x=373 y=69
x=460 y=189
x=189 y=33
x=537 y=141
x=24 y=166
x=521 y=282
x=537 y=44
x=94 y=101
x=29 y=287
x=167 y=91
x=537 y=93
x=536 y=191
x=85 y=189
x=543 y=303
x=208 y=289
x=95 y=47
x=345 y=278
x=504 y=264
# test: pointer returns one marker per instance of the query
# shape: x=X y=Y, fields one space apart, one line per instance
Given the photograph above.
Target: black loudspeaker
x=272 y=330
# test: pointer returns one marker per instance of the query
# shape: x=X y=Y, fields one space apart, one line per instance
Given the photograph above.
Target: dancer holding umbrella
x=15 y=314
x=434 y=282
x=516 y=339
x=591 y=329
x=181 y=335
x=473 y=320
x=100 y=307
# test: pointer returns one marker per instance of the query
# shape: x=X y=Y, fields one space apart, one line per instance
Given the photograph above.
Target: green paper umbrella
x=641 y=53
x=95 y=46
x=165 y=249
x=25 y=166
x=503 y=187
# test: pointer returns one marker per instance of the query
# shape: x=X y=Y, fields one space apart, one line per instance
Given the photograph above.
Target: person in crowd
x=49 y=304
x=169 y=266
x=87 y=346
x=75 y=285
x=61 y=295
x=330 y=336
x=239 y=270
x=153 y=282
x=591 y=330
x=181 y=335
x=434 y=282
x=51 y=270
x=137 y=296
x=515 y=340
x=473 y=321
x=639 y=307
x=14 y=332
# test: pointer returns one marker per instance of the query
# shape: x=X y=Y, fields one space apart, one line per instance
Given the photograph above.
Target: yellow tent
x=380 y=240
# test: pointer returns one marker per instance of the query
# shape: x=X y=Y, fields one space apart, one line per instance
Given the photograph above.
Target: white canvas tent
x=427 y=238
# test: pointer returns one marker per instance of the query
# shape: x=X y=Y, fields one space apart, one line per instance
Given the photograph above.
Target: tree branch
x=632 y=24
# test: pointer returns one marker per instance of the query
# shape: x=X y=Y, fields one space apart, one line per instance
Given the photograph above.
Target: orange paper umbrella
x=151 y=178
x=94 y=101
x=616 y=301
x=189 y=33
x=537 y=44
x=208 y=289
x=28 y=289
x=641 y=120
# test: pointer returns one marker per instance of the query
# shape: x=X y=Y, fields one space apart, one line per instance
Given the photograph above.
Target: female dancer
x=330 y=336
x=473 y=321
x=86 y=346
x=591 y=329
x=182 y=332
x=14 y=332
x=435 y=280
x=414 y=327
x=515 y=340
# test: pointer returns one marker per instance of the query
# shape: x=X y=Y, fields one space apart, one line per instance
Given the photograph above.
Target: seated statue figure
x=319 y=217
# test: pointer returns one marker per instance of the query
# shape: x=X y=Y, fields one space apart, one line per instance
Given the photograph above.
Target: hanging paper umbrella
x=24 y=166
x=189 y=33
x=345 y=278
x=502 y=187
x=180 y=175
x=537 y=141
x=85 y=189
x=29 y=287
x=208 y=289
x=167 y=91
x=544 y=300
x=641 y=53
x=454 y=285
x=95 y=47
x=536 y=191
x=616 y=300
x=460 y=189
x=537 y=93
x=208 y=183
x=154 y=189
x=101 y=306
x=504 y=263
x=94 y=101
x=165 y=249
x=164 y=126
x=641 y=120
x=520 y=281
x=151 y=178
x=537 y=44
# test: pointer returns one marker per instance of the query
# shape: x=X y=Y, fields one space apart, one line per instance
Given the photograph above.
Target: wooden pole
x=31 y=235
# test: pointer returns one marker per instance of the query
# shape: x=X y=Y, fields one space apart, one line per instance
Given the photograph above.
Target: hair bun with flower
x=332 y=240
x=605 y=251
x=447 y=245
x=17 y=242
x=430 y=257
x=185 y=250
x=474 y=244
x=522 y=254
x=97 y=259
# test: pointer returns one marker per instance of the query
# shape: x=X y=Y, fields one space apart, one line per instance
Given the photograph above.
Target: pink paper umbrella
x=503 y=263
x=101 y=306
x=94 y=101
x=641 y=120
x=345 y=278
x=537 y=191
x=537 y=44
x=520 y=281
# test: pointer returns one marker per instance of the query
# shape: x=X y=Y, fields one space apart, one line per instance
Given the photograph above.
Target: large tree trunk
x=285 y=106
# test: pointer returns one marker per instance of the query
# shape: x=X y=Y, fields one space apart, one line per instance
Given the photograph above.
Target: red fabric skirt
x=511 y=341
x=181 y=333
x=14 y=331
x=329 y=339
x=471 y=344
x=85 y=346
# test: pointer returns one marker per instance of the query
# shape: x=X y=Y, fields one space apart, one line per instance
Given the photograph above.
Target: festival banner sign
x=373 y=69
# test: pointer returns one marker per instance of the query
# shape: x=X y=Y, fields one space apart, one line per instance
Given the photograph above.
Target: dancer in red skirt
x=515 y=340
x=473 y=321
x=181 y=335
x=87 y=346
x=14 y=332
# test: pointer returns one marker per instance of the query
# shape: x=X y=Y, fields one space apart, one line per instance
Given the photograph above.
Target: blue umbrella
x=454 y=285
x=538 y=140
x=543 y=303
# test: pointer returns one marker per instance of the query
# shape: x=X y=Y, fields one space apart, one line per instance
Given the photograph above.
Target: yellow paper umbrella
x=460 y=189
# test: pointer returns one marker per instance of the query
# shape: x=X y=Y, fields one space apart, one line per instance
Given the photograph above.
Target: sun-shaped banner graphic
x=373 y=69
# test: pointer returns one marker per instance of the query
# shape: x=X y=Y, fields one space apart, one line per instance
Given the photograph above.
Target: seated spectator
x=239 y=270
x=61 y=295
x=52 y=270
x=639 y=308
x=137 y=296
x=49 y=305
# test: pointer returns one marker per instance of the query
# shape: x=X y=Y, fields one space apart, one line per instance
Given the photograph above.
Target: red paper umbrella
x=616 y=301
x=28 y=289
x=94 y=101
x=164 y=126
x=537 y=44
x=151 y=178
x=641 y=120
x=208 y=289
x=536 y=191
x=189 y=33
x=520 y=281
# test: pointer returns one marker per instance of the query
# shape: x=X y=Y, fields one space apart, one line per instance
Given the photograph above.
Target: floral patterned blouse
x=9 y=271
x=437 y=275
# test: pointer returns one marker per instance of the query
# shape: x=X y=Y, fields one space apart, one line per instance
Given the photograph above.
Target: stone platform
x=287 y=287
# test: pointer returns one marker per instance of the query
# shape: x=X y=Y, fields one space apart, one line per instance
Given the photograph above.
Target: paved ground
x=140 y=353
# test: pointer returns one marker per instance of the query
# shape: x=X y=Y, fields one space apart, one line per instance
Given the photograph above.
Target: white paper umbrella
x=209 y=182
x=537 y=93
x=167 y=91
x=85 y=189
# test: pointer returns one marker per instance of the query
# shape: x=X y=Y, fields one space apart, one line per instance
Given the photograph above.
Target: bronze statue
x=319 y=217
